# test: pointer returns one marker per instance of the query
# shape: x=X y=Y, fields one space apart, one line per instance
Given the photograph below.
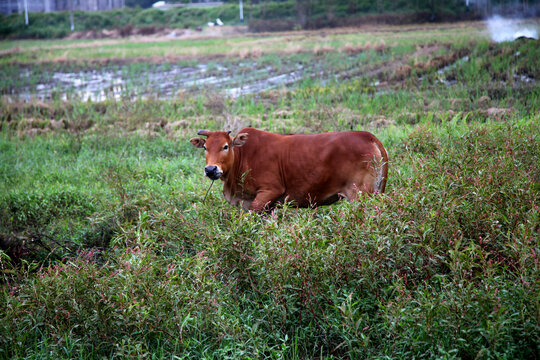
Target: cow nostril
x=213 y=172
x=210 y=169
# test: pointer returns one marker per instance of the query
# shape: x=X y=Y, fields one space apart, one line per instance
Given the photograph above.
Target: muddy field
x=156 y=65
x=376 y=64
x=163 y=81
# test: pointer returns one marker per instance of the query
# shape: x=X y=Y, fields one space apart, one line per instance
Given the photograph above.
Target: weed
x=108 y=251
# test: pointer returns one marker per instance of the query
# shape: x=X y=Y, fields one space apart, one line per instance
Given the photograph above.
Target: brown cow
x=260 y=169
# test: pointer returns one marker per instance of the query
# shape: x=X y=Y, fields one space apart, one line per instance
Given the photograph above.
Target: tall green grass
x=108 y=250
x=443 y=265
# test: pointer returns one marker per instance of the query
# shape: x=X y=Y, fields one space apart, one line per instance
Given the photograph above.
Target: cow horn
x=229 y=132
x=203 y=132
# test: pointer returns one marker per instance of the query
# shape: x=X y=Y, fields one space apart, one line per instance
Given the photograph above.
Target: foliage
x=260 y=15
x=447 y=251
x=107 y=249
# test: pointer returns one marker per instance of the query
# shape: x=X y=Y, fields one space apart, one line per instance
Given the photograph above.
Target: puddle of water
x=524 y=78
x=163 y=81
x=441 y=78
x=166 y=81
x=265 y=84
x=445 y=69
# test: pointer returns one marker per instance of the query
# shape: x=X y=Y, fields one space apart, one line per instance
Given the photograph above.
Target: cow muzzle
x=213 y=172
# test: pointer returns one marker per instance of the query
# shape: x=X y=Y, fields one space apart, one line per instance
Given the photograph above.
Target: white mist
x=502 y=29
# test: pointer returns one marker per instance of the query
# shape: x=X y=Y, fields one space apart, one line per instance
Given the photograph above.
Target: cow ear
x=197 y=142
x=240 y=139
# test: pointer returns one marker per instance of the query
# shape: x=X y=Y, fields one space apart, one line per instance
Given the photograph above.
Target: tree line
x=305 y=7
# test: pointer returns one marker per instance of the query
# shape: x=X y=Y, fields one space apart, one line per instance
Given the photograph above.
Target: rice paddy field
x=109 y=251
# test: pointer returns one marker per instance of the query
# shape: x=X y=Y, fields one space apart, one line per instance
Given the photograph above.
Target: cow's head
x=218 y=148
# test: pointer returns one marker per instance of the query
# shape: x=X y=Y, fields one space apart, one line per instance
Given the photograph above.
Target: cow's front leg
x=264 y=200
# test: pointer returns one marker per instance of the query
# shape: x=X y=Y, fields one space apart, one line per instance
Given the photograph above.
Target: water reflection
x=164 y=81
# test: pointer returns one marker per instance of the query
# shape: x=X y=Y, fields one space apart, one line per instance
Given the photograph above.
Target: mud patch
x=380 y=123
x=169 y=80
x=499 y=113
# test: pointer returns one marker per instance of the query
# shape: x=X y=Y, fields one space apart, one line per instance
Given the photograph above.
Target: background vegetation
x=109 y=251
x=260 y=15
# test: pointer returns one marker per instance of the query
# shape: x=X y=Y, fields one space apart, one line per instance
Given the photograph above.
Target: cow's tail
x=381 y=168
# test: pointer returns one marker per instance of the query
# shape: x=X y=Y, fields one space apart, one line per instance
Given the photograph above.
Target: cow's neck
x=230 y=180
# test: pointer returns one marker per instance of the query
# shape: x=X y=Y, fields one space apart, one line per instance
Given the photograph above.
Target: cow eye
x=226 y=147
x=204 y=147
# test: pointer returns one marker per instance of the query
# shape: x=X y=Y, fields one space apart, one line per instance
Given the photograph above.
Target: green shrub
x=22 y=210
x=108 y=250
x=124 y=308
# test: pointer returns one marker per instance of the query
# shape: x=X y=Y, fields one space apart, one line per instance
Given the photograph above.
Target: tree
x=303 y=9
x=141 y=3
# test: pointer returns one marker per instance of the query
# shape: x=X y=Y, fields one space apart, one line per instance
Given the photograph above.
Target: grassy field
x=212 y=44
x=259 y=16
x=108 y=250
